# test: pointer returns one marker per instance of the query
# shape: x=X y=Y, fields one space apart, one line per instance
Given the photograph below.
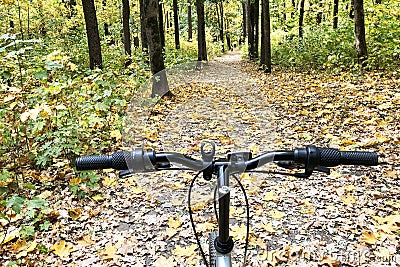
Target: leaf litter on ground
x=349 y=218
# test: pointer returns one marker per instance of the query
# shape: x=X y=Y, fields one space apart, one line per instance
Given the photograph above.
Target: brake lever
x=292 y=166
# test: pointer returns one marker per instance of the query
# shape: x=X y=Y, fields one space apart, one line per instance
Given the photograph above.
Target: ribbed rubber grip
x=116 y=161
x=330 y=157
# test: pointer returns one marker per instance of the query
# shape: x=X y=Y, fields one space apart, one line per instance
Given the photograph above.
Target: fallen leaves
x=186 y=252
x=62 y=249
x=354 y=210
x=276 y=214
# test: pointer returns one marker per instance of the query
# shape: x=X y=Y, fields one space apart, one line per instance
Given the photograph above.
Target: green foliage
x=320 y=48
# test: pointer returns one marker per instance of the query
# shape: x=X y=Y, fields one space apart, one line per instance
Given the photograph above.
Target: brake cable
x=247 y=220
x=192 y=221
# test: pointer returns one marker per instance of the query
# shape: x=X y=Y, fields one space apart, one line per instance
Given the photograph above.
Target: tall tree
x=106 y=25
x=176 y=24
x=252 y=31
x=126 y=30
x=201 y=31
x=335 y=13
x=265 y=57
x=161 y=23
x=301 y=18
x=160 y=85
x=190 y=24
x=143 y=36
x=359 y=30
x=220 y=18
x=244 y=23
x=92 y=32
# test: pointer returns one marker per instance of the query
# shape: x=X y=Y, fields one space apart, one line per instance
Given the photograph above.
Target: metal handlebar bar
x=311 y=158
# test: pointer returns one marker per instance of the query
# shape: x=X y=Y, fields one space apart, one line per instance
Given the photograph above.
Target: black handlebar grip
x=115 y=161
x=330 y=157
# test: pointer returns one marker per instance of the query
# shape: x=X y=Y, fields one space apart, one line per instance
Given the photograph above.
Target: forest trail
x=347 y=218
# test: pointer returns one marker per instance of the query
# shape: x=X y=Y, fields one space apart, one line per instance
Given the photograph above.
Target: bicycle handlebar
x=310 y=157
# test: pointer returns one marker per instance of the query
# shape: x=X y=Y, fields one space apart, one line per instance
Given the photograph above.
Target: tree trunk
x=351 y=13
x=220 y=19
x=359 y=30
x=190 y=25
x=142 y=26
x=319 y=13
x=126 y=30
x=244 y=10
x=176 y=24
x=335 y=13
x=294 y=7
x=92 y=32
x=161 y=23
x=301 y=18
x=201 y=31
x=265 y=59
x=160 y=85
x=252 y=31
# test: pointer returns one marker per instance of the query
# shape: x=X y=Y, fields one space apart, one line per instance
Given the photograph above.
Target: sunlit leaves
x=62 y=249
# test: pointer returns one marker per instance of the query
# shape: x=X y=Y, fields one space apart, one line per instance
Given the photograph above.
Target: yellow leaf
x=387 y=228
x=184 y=251
x=369 y=237
x=10 y=236
x=391 y=174
x=276 y=214
x=254 y=149
x=26 y=249
x=239 y=232
x=335 y=174
x=270 y=196
x=326 y=260
x=307 y=209
x=349 y=199
x=75 y=214
x=62 y=249
x=137 y=190
x=380 y=220
x=350 y=187
x=109 y=252
x=347 y=142
x=116 y=134
x=174 y=223
x=98 y=197
x=75 y=181
x=393 y=219
x=110 y=181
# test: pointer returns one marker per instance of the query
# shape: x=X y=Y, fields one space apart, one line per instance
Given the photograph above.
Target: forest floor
x=348 y=218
